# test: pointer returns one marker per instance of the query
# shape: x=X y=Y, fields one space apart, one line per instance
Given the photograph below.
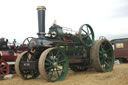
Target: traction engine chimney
x=41 y=21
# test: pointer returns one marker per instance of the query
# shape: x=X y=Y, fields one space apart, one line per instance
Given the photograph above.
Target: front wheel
x=26 y=66
x=53 y=64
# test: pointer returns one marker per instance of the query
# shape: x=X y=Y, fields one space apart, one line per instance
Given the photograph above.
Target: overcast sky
x=18 y=18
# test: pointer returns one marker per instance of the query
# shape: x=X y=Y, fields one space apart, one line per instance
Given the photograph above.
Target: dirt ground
x=119 y=76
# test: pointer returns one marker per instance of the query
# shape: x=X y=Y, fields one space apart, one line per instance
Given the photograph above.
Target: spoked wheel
x=4 y=67
x=53 y=64
x=102 y=56
x=24 y=67
x=25 y=45
x=86 y=35
x=27 y=41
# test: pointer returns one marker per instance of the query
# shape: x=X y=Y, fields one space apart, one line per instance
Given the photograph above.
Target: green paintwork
x=106 y=56
x=57 y=29
x=75 y=51
x=56 y=65
x=76 y=39
x=86 y=35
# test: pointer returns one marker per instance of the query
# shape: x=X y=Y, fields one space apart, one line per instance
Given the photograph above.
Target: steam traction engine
x=52 y=54
x=8 y=55
x=7 y=58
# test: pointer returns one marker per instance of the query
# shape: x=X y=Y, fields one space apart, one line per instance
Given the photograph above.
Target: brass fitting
x=41 y=8
x=54 y=22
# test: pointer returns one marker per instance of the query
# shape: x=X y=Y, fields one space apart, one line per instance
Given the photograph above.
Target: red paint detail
x=4 y=67
x=67 y=40
x=6 y=56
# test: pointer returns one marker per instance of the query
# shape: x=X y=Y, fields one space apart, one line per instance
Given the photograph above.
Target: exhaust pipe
x=41 y=21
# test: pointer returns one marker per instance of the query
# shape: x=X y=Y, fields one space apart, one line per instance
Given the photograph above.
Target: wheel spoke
x=88 y=39
x=85 y=36
x=2 y=73
x=49 y=61
x=103 y=65
x=108 y=50
x=49 y=67
x=58 y=56
x=106 y=63
x=90 y=34
x=103 y=51
x=28 y=40
x=57 y=53
x=109 y=58
x=51 y=53
x=61 y=62
x=53 y=57
x=46 y=63
x=100 y=52
x=56 y=75
x=57 y=72
x=4 y=67
x=105 y=44
x=102 y=61
x=50 y=74
x=85 y=31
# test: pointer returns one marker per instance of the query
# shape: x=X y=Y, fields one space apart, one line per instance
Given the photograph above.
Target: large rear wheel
x=102 y=56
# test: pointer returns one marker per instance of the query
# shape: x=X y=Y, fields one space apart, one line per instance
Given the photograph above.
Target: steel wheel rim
x=4 y=67
x=86 y=35
x=106 y=56
x=27 y=74
x=55 y=65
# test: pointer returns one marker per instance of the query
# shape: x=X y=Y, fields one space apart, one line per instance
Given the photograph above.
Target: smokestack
x=41 y=21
